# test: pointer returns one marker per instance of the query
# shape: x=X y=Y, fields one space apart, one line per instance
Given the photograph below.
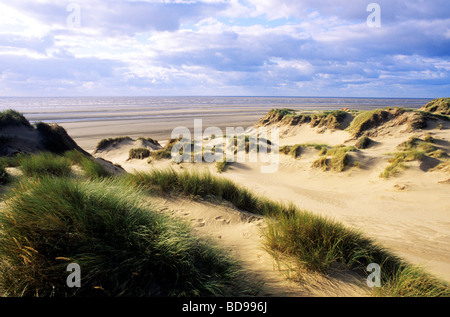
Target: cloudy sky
x=225 y=47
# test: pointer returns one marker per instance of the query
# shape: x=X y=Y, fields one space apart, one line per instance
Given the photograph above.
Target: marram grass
x=45 y=163
x=123 y=246
x=314 y=242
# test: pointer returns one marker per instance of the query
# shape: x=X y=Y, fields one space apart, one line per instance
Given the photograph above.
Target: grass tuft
x=335 y=158
x=140 y=153
x=103 y=144
x=12 y=118
x=45 y=163
x=363 y=143
x=124 y=248
x=221 y=165
x=166 y=151
x=91 y=167
x=413 y=149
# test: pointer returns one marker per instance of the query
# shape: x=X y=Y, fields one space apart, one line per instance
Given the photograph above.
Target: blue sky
x=224 y=47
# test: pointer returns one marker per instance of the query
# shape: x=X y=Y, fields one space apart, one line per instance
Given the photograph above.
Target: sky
x=335 y=48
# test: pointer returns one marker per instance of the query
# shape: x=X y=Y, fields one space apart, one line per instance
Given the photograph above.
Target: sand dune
x=409 y=213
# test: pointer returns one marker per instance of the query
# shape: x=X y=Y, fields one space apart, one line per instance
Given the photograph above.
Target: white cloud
x=222 y=46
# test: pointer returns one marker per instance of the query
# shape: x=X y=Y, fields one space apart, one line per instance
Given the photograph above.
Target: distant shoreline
x=90 y=119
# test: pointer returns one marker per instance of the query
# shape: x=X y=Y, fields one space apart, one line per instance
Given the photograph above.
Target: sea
x=78 y=109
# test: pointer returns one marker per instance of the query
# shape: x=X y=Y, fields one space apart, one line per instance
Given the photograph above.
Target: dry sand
x=409 y=214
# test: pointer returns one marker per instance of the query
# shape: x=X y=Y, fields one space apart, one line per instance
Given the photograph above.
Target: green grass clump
x=366 y=120
x=296 y=150
x=166 y=151
x=412 y=281
x=439 y=154
x=341 y=148
x=322 y=163
x=283 y=112
x=75 y=157
x=103 y=144
x=398 y=160
x=363 y=143
x=359 y=121
x=413 y=149
x=205 y=185
x=318 y=244
x=12 y=118
x=340 y=161
x=155 y=142
x=90 y=166
x=439 y=106
x=335 y=158
x=221 y=165
x=140 y=153
x=328 y=119
x=55 y=138
x=45 y=163
x=13 y=161
x=123 y=247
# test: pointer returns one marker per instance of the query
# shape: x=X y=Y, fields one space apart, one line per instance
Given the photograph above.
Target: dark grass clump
x=363 y=142
x=90 y=166
x=282 y=112
x=12 y=118
x=294 y=151
x=93 y=169
x=5 y=178
x=13 y=161
x=440 y=106
x=140 y=153
x=335 y=159
x=222 y=165
x=367 y=120
x=123 y=247
x=104 y=143
x=322 y=119
x=55 y=138
x=166 y=151
x=153 y=141
x=45 y=163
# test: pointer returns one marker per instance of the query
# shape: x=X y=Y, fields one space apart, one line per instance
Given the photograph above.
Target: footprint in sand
x=198 y=222
x=222 y=221
x=246 y=235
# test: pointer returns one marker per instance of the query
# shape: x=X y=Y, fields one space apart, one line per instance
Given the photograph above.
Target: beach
x=408 y=214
